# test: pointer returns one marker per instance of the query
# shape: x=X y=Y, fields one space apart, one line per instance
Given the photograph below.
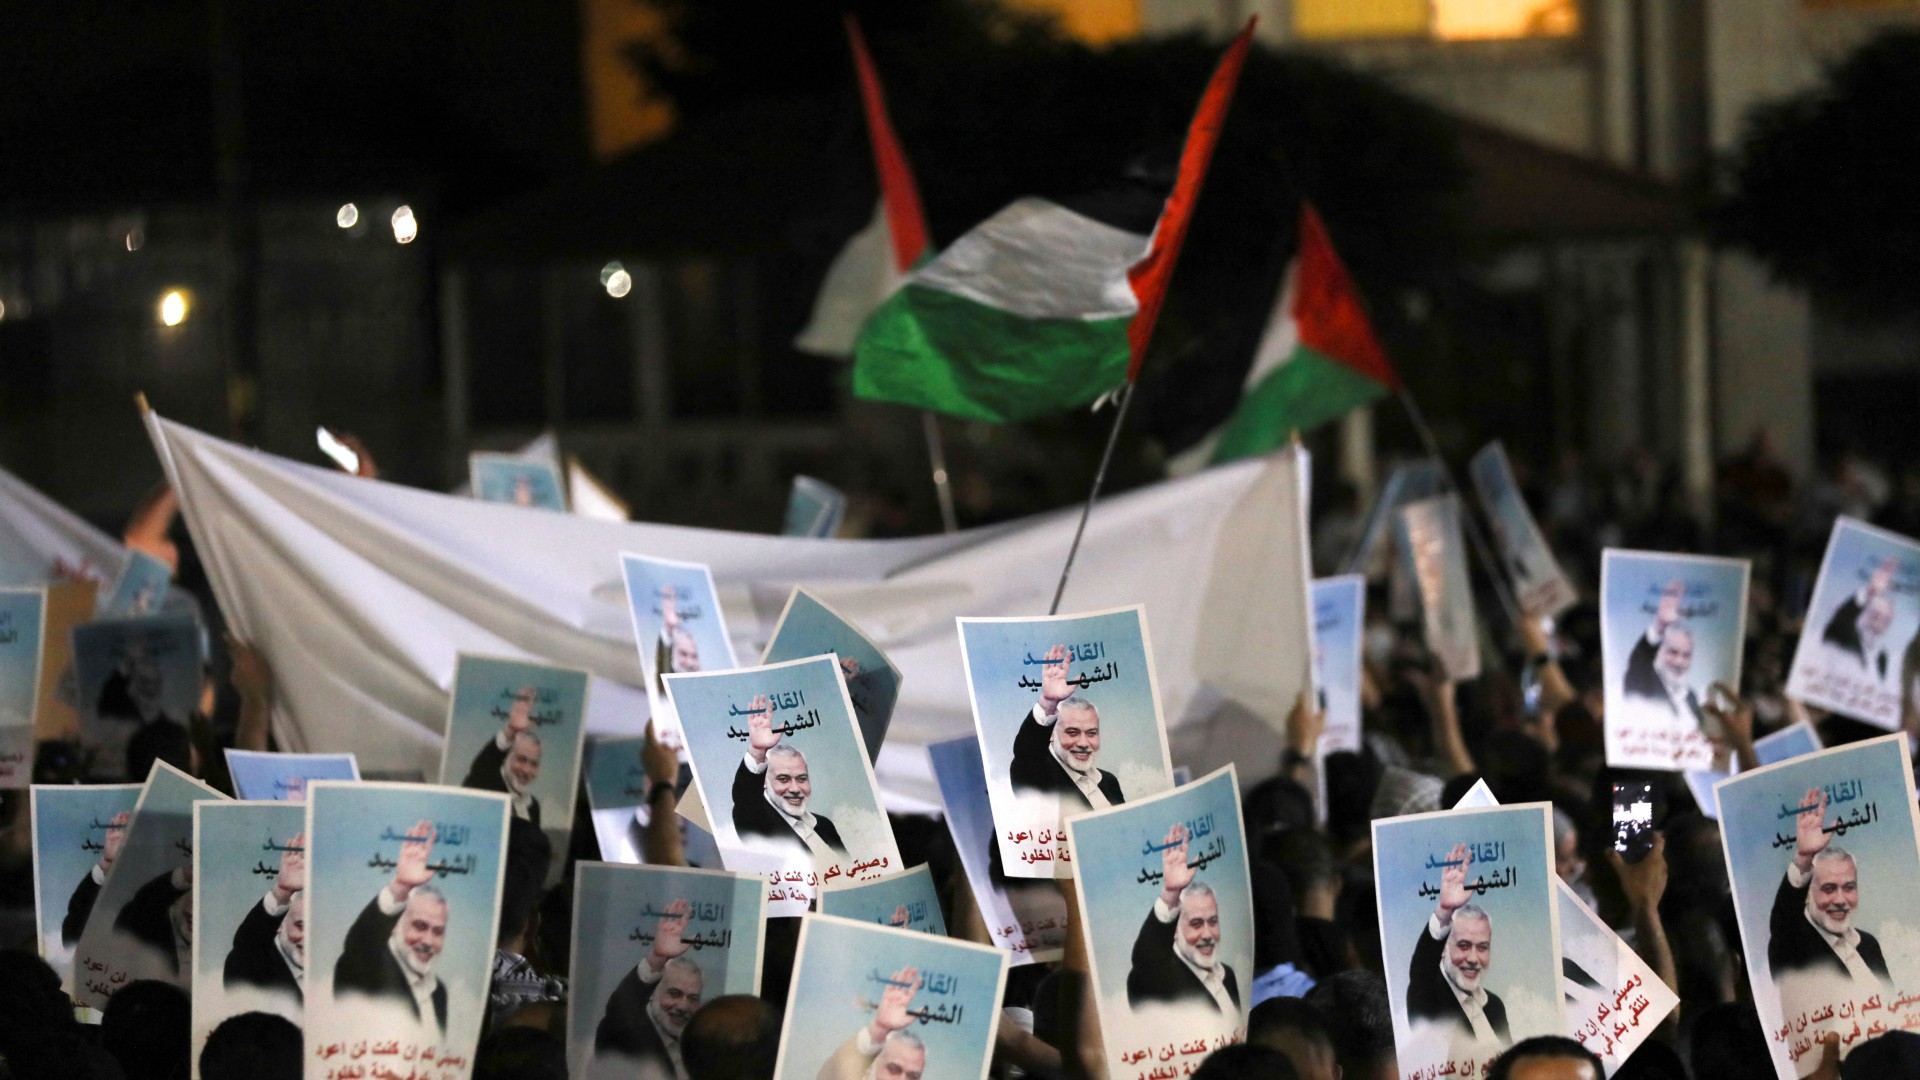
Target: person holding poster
x=649 y=1010
x=876 y=1003
x=1861 y=625
x=1091 y=738
x=1671 y=627
x=1824 y=853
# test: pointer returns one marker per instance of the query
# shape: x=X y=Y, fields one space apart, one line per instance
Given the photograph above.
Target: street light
x=405 y=228
x=173 y=308
x=347 y=216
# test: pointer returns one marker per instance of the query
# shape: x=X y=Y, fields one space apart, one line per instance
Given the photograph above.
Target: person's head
x=293 y=928
x=523 y=762
x=787 y=779
x=423 y=927
x=1877 y=619
x=1354 y=1005
x=1676 y=653
x=252 y=1046
x=1728 y=1041
x=517 y=1052
x=1897 y=1053
x=1547 y=1057
x=902 y=1057
x=1834 y=892
x=1469 y=947
x=1076 y=730
x=1199 y=925
x=1296 y=1029
x=734 y=1037
x=1245 y=1061
x=159 y=740
x=678 y=996
x=1567 y=862
x=686 y=653
x=145 y=1026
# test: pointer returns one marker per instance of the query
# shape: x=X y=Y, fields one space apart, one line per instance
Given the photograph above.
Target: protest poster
x=1439 y=554
x=1613 y=999
x=249 y=913
x=23 y=621
x=1339 y=622
x=1413 y=480
x=1862 y=621
x=403 y=910
x=814 y=509
x=1166 y=902
x=129 y=673
x=141 y=924
x=589 y=497
x=1824 y=855
x=906 y=900
x=1458 y=890
x=1791 y=741
x=617 y=796
x=516 y=727
x=1670 y=627
x=259 y=775
x=808 y=627
x=1539 y=586
x=139 y=590
x=1052 y=744
x=521 y=481
x=678 y=626
x=881 y=1002
x=69 y=603
x=78 y=831
x=779 y=766
x=1024 y=916
x=650 y=943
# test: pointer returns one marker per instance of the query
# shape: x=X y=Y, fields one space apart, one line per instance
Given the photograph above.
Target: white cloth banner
x=37 y=535
x=361 y=594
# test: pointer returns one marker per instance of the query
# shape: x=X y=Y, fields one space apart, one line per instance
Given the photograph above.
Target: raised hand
x=1882 y=578
x=658 y=759
x=1453 y=882
x=899 y=916
x=1175 y=874
x=1668 y=612
x=252 y=679
x=669 y=611
x=1811 y=838
x=760 y=734
x=1305 y=724
x=1054 y=687
x=520 y=713
x=412 y=870
x=668 y=934
x=892 y=1014
x=116 y=836
x=293 y=869
x=849 y=667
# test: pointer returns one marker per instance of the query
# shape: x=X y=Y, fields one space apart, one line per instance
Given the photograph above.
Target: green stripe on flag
x=933 y=349
x=1305 y=392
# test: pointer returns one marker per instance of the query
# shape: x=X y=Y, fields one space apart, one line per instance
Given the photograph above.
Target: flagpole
x=1099 y=479
x=942 y=482
x=1475 y=539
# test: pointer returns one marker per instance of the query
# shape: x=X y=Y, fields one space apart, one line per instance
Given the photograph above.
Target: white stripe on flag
x=1040 y=260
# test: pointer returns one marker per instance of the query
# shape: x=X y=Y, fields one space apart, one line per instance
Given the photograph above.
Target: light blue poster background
x=155 y=661
x=506 y=478
x=259 y=775
x=23 y=616
x=159 y=842
x=1524 y=968
x=140 y=590
x=698 y=607
x=1712 y=609
x=1107 y=652
x=1758 y=810
x=483 y=696
x=352 y=831
x=1540 y=586
x=236 y=860
x=840 y=975
x=616 y=783
x=69 y=835
x=1030 y=922
x=1118 y=855
x=811 y=628
x=814 y=508
x=1339 y=605
x=882 y=902
x=1823 y=674
x=713 y=708
x=616 y=909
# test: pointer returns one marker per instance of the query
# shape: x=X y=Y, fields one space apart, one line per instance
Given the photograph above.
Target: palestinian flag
x=879 y=257
x=1043 y=306
x=1318 y=358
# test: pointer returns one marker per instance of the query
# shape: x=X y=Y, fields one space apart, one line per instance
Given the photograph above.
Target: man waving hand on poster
x=884 y=1049
x=1811 y=929
x=1445 y=980
x=1175 y=957
x=1058 y=741
x=391 y=947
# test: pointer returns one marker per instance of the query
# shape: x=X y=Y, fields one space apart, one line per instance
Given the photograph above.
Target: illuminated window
x=1450 y=20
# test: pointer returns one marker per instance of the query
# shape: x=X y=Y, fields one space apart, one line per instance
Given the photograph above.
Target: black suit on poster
x=255 y=958
x=484 y=775
x=1430 y=995
x=147 y=918
x=79 y=906
x=367 y=966
x=1034 y=767
x=754 y=816
x=1643 y=680
x=1793 y=944
x=1159 y=976
x=626 y=1029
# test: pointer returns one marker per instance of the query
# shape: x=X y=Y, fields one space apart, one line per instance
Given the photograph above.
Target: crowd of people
x=1529 y=726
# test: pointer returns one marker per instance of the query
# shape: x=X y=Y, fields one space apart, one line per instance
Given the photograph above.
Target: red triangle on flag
x=906 y=220
x=1327 y=310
